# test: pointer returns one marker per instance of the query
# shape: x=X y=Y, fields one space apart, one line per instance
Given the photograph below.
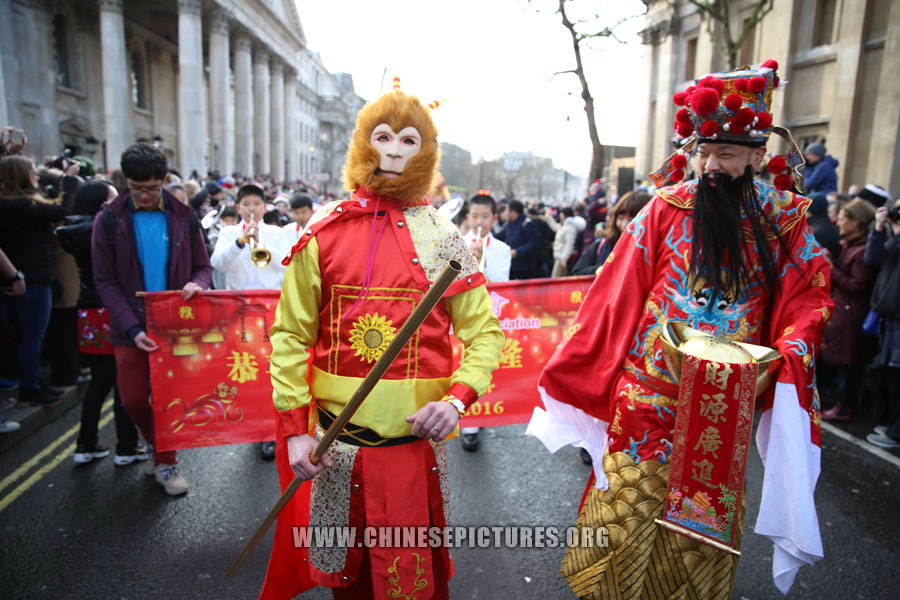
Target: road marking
x=849 y=437
x=106 y=413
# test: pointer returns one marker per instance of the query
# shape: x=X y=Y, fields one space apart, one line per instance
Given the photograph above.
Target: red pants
x=133 y=378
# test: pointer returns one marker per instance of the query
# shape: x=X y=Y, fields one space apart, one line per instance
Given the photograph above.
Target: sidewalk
x=32 y=418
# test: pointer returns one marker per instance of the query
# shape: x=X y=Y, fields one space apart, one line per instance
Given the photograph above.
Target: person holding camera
x=25 y=218
x=884 y=252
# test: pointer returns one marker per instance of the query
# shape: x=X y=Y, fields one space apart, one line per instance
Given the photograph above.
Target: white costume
x=496 y=264
x=234 y=261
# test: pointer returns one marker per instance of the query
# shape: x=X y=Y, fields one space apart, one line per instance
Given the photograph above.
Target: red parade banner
x=210 y=376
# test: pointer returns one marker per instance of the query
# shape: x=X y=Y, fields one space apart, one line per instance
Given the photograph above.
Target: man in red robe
x=728 y=254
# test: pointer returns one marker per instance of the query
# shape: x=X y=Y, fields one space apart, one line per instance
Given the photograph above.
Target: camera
x=894 y=215
x=64 y=160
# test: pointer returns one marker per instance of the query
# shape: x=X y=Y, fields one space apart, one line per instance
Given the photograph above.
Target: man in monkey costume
x=354 y=277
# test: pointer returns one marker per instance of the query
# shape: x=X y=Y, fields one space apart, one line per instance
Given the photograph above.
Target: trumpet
x=259 y=256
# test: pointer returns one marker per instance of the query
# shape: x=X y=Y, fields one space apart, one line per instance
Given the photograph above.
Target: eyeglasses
x=139 y=191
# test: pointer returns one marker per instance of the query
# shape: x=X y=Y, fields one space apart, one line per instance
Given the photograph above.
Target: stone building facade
x=839 y=57
x=224 y=85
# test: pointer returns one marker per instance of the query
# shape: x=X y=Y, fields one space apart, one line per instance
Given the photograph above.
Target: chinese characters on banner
x=712 y=441
x=210 y=376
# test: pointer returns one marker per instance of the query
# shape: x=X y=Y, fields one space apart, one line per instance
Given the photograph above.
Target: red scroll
x=710 y=450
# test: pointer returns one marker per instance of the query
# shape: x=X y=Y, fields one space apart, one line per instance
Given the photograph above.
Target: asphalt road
x=105 y=532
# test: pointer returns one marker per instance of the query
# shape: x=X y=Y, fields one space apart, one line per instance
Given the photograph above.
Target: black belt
x=362 y=436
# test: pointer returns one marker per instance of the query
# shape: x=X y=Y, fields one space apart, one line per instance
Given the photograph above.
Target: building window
x=690 y=59
x=138 y=81
x=823 y=28
x=61 y=46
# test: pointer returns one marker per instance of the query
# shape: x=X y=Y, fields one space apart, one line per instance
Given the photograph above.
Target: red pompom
x=676 y=175
x=704 y=101
x=769 y=64
x=777 y=165
x=709 y=128
x=679 y=98
x=679 y=161
x=784 y=182
x=740 y=85
x=733 y=102
x=756 y=84
x=713 y=83
x=683 y=116
x=741 y=119
x=684 y=129
x=764 y=120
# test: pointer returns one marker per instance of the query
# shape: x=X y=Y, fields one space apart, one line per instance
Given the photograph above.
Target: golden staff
x=431 y=298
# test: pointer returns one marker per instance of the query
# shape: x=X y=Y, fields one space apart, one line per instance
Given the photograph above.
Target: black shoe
x=267 y=449
x=52 y=390
x=469 y=441
x=37 y=398
x=585 y=457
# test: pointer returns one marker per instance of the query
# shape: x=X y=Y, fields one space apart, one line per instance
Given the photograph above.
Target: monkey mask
x=394 y=151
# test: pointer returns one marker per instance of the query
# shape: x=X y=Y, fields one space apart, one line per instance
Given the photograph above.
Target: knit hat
x=817 y=148
x=212 y=188
x=875 y=195
x=819 y=205
x=731 y=108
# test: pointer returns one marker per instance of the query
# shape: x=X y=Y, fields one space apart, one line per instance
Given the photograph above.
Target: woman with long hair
x=93 y=335
x=624 y=211
x=845 y=349
x=25 y=219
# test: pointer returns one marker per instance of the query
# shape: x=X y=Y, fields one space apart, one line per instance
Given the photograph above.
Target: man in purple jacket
x=145 y=240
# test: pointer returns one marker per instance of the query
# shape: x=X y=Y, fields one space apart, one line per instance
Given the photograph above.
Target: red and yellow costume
x=608 y=389
x=337 y=314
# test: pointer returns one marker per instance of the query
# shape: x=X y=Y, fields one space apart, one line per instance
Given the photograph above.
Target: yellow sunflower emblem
x=370 y=336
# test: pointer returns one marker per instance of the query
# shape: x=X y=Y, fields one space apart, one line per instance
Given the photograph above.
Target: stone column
x=884 y=149
x=261 y=129
x=243 y=105
x=219 y=87
x=190 y=87
x=116 y=83
x=290 y=124
x=277 y=120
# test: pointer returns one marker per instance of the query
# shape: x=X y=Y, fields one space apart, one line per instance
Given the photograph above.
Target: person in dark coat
x=821 y=175
x=25 y=234
x=845 y=349
x=625 y=210
x=93 y=332
x=884 y=253
x=157 y=245
x=522 y=236
x=823 y=229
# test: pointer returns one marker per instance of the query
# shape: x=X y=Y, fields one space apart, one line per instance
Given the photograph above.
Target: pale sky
x=493 y=62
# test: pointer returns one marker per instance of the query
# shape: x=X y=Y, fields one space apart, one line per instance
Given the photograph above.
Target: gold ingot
x=609 y=465
x=615 y=483
x=622 y=511
x=617 y=536
x=630 y=496
x=622 y=460
x=649 y=485
x=649 y=467
x=646 y=508
x=678 y=339
x=630 y=475
x=659 y=495
x=631 y=524
x=607 y=514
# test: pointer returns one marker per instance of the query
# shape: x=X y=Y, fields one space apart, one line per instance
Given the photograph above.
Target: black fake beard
x=720 y=253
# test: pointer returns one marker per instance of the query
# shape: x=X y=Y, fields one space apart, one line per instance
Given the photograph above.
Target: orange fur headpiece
x=418 y=178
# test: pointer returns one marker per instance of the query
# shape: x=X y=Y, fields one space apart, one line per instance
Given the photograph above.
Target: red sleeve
x=294 y=421
x=800 y=310
x=463 y=393
x=587 y=362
